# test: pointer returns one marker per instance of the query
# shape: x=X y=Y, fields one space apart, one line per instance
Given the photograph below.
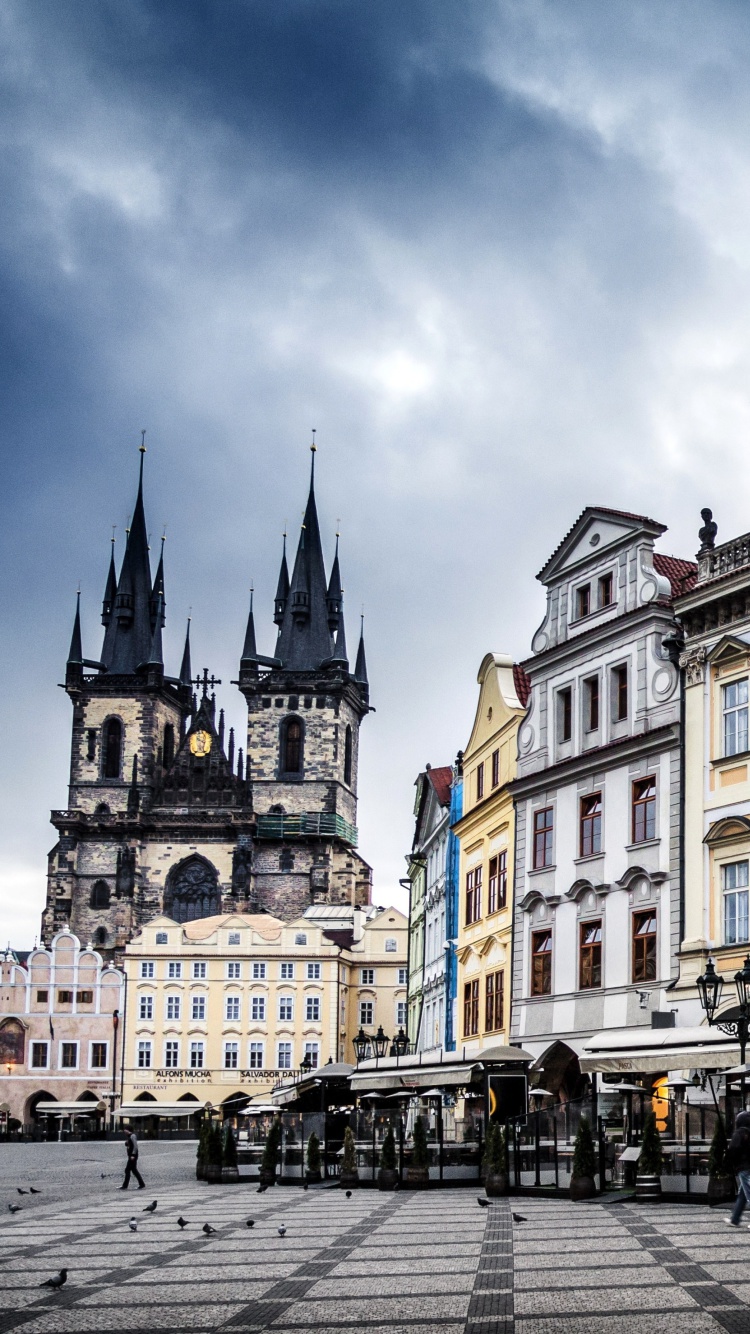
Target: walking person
x=131 y=1148
x=738 y=1155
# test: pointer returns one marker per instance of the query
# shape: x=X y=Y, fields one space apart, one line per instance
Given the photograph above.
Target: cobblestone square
x=374 y=1262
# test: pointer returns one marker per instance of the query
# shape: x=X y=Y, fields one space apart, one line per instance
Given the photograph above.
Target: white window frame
x=99 y=1042
x=366 y=1006
x=197 y=1049
x=286 y=972
x=737 y=713
x=313 y=972
x=740 y=893
x=257 y=1003
x=231 y=1049
x=259 y=971
x=288 y=1050
x=174 y=970
x=391 y=945
x=401 y=1013
x=199 y=970
x=255 y=1049
x=313 y=1049
x=172 y=1000
x=145 y=1006
x=367 y=976
x=143 y=1054
x=402 y=977
x=234 y=970
x=147 y=969
x=236 y=1004
x=196 y=1001
x=312 y=1003
x=174 y=1043
x=286 y=1002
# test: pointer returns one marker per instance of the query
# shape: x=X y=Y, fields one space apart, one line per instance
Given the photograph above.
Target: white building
x=432 y=809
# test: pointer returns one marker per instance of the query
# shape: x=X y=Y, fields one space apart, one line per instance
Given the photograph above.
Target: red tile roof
x=441 y=780
x=522 y=683
x=681 y=574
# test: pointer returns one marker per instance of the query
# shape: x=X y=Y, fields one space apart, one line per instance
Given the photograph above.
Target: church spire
x=282 y=589
x=156 y=656
x=158 y=588
x=249 y=651
x=110 y=590
x=360 y=668
x=75 y=652
x=334 y=594
x=127 y=639
x=304 y=637
x=185 y=669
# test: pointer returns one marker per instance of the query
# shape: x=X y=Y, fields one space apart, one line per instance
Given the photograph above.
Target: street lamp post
x=710 y=986
x=360 y=1044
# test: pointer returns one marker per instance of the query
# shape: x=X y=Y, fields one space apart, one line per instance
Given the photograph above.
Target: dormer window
x=583 y=601
x=606 y=590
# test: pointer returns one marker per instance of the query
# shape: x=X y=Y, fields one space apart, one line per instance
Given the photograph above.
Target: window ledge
x=542 y=870
x=645 y=843
x=731 y=759
x=590 y=857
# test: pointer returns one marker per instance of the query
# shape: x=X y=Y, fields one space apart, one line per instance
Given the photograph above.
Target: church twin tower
x=164 y=814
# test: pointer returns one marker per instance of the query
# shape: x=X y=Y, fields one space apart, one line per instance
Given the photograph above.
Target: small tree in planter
x=720 y=1177
x=271 y=1154
x=229 y=1169
x=582 y=1183
x=313 y=1158
x=418 y=1174
x=388 y=1174
x=650 y=1163
x=201 y=1159
x=349 y=1176
x=495 y=1161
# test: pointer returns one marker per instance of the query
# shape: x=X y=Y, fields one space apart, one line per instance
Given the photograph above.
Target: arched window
x=192 y=891
x=100 y=894
x=100 y=935
x=291 y=746
x=348 y=757
x=112 y=748
x=168 y=745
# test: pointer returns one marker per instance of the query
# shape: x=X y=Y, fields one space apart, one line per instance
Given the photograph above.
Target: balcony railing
x=309 y=824
x=722 y=560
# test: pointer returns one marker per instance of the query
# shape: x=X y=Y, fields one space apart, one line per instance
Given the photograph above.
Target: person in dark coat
x=131 y=1148
x=738 y=1156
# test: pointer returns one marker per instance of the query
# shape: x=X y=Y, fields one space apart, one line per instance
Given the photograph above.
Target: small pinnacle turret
x=185 y=669
x=75 y=652
x=360 y=667
x=334 y=594
x=282 y=589
x=110 y=591
x=249 y=657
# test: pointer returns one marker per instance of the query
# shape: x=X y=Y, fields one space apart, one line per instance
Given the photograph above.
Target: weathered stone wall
x=321 y=785
x=143 y=717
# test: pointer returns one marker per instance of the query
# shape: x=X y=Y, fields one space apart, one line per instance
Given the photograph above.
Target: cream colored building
x=221 y=1009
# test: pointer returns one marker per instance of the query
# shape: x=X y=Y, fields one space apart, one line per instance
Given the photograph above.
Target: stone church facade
x=165 y=814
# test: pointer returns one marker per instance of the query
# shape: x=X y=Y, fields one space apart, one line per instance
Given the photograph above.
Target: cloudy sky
x=496 y=253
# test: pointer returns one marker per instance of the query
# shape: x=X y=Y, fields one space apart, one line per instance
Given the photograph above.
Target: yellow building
x=221 y=1009
x=485 y=836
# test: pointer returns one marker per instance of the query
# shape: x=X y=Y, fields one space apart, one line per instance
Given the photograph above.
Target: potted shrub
x=271 y=1154
x=650 y=1163
x=388 y=1174
x=495 y=1162
x=418 y=1173
x=721 y=1186
x=212 y=1170
x=582 y=1182
x=229 y=1169
x=313 y=1158
x=349 y=1176
x=201 y=1157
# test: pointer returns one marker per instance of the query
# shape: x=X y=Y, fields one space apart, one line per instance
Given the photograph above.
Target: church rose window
x=192 y=891
x=112 y=748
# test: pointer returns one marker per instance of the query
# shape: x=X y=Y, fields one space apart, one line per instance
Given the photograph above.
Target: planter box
x=417 y=1177
x=582 y=1188
x=647 y=1188
x=312 y=1176
x=721 y=1190
x=212 y=1173
x=387 y=1178
x=230 y=1174
x=348 y=1180
x=267 y=1177
x=496 y=1184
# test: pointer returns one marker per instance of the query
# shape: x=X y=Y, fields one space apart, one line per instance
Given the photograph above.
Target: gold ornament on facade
x=200 y=743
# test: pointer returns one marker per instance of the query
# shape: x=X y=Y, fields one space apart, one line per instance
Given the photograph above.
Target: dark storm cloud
x=495 y=253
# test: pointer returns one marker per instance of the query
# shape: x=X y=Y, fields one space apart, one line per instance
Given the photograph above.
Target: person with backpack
x=738 y=1157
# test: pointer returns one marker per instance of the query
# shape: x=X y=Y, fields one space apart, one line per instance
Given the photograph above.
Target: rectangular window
x=498 y=882
x=286 y=1009
x=171 y=1055
x=471 y=1008
x=402 y=977
x=231 y=1055
x=565 y=714
x=644 y=810
x=199 y=970
x=734 y=878
x=591 y=825
x=543 y=830
x=257 y=1007
x=312 y=1055
x=494 y=1001
x=590 y=955
x=300 y=938
x=85 y=997
x=174 y=969
x=65 y=997
x=287 y=972
x=69 y=1055
x=98 y=1055
x=401 y=1012
x=255 y=1054
x=734 y=703
x=42 y=996
x=259 y=972
x=147 y=968
x=495 y=767
x=174 y=1006
x=591 y=697
x=367 y=976
x=391 y=945
x=145 y=1007
x=492 y=887
x=144 y=1055
x=480 y=781
x=196 y=1055
x=313 y=972
x=39 y=1055
x=198 y=1007
x=644 y=946
x=233 y=1008
x=473 y=895
x=541 y=963
x=583 y=601
x=620 y=693
x=312 y=1009
x=606 y=585
x=162 y=938
x=233 y=938
x=366 y=1012
x=284 y=1060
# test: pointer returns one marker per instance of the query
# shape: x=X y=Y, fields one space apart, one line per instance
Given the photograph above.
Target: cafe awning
x=653 y=1050
x=131 y=1110
x=87 y=1108
x=426 y=1077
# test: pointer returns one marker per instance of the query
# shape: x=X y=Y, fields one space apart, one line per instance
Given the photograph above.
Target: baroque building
x=166 y=814
x=430 y=922
x=598 y=833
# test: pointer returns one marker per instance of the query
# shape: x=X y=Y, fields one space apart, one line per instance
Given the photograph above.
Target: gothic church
x=163 y=814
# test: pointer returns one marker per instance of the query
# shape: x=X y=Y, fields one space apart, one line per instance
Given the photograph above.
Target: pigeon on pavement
x=484 y=1204
x=519 y=1218
x=250 y=1222
x=32 y=1191
x=21 y=1192
x=348 y=1195
x=57 y=1282
x=282 y=1231
x=15 y=1208
x=262 y=1190
x=133 y=1225
x=150 y=1208
x=208 y=1229
x=182 y=1222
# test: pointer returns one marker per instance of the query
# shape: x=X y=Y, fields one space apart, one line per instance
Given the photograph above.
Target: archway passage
x=561 y=1072
x=192 y=891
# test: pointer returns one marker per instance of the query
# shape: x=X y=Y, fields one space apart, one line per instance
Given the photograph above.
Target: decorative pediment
x=593 y=532
x=728 y=830
x=728 y=649
x=579 y=888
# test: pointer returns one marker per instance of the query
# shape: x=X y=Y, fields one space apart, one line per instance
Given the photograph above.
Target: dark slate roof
x=522 y=683
x=304 y=640
x=127 y=639
x=681 y=574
